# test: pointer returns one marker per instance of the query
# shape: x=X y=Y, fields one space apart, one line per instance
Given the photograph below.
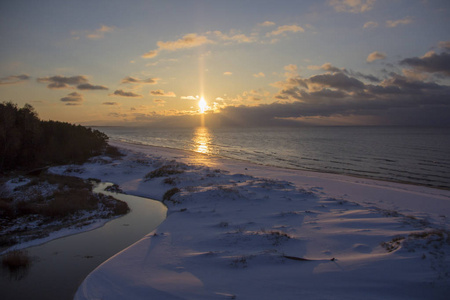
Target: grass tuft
x=170 y=193
x=16 y=259
x=166 y=170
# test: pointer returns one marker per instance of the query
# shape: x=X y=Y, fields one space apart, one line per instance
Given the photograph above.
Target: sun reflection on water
x=202 y=140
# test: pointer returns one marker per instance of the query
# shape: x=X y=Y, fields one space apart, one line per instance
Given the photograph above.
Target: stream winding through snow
x=61 y=265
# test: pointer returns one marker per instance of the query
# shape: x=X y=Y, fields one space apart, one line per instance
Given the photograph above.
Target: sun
x=202 y=105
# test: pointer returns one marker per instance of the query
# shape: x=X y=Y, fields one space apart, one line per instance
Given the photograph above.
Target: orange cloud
x=190 y=40
x=352 y=6
x=286 y=28
x=260 y=74
x=370 y=24
x=375 y=55
x=395 y=23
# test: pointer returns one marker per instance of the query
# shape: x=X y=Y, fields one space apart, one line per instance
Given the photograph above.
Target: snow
x=241 y=231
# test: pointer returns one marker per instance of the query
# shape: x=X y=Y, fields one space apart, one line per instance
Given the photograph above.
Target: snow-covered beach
x=242 y=231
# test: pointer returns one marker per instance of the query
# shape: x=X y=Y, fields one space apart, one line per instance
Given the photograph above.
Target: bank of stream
x=59 y=266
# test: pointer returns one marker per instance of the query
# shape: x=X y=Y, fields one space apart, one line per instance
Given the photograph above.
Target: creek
x=59 y=266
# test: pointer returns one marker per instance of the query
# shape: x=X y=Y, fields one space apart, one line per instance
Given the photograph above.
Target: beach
x=236 y=230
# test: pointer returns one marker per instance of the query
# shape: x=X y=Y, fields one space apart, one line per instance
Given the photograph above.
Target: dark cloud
x=369 y=77
x=397 y=100
x=62 y=82
x=13 y=79
x=445 y=45
x=337 y=80
x=88 y=86
x=162 y=93
x=431 y=63
x=130 y=79
x=73 y=99
x=117 y=115
x=110 y=103
x=330 y=67
x=122 y=93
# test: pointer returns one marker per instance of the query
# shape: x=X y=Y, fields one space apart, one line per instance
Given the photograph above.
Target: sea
x=411 y=155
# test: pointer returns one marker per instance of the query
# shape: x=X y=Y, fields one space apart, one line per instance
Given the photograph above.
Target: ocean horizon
x=413 y=155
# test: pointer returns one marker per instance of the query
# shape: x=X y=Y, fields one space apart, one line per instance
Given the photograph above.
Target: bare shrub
x=393 y=244
x=166 y=170
x=113 y=152
x=16 y=259
x=170 y=193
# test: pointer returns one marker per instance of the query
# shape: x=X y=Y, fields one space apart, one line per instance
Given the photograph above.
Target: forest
x=26 y=142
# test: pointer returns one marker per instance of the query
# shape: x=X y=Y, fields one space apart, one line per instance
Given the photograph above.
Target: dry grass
x=16 y=259
x=64 y=206
x=166 y=170
x=170 y=193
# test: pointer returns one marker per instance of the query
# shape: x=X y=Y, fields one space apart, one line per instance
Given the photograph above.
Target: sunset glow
x=285 y=63
x=202 y=105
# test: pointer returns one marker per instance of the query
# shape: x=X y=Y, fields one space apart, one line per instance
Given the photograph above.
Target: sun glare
x=202 y=105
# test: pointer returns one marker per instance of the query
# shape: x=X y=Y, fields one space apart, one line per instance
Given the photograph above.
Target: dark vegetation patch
x=17 y=263
x=172 y=168
x=169 y=194
x=50 y=202
x=28 y=143
x=45 y=202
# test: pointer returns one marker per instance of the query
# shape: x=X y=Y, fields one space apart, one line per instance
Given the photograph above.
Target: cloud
x=352 y=6
x=431 y=63
x=227 y=73
x=100 y=33
x=258 y=75
x=73 y=99
x=370 y=24
x=117 y=115
x=395 y=100
x=266 y=24
x=239 y=38
x=375 y=55
x=122 y=93
x=395 y=23
x=159 y=102
x=338 y=96
x=445 y=45
x=130 y=79
x=190 y=40
x=150 y=54
x=326 y=67
x=93 y=34
x=110 y=103
x=284 y=29
x=291 y=68
x=14 y=79
x=335 y=80
x=190 y=97
x=62 y=82
x=161 y=93
x=88 y=86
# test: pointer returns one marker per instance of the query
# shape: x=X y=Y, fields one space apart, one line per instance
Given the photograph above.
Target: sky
x=254 y=62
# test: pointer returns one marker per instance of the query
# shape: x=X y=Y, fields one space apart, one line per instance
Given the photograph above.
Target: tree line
x=26 y=142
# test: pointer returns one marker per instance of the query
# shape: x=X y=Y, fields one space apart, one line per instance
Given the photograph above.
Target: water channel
x=59 y=266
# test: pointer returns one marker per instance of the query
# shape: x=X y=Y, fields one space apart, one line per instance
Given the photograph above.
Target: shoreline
x=231 y=222
x=282 y=167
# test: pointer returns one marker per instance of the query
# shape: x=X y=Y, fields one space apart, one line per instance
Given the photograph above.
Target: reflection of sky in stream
x=58 y=267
